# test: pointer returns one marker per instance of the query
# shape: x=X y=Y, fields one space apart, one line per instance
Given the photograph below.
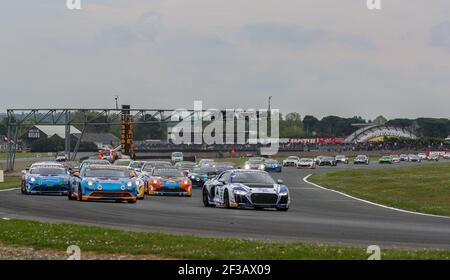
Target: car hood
x=259 y=188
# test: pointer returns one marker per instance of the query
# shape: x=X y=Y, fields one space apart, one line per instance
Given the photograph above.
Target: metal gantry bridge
x=19 y=119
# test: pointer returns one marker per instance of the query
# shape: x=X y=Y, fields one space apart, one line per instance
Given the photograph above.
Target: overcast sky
x=320 y=57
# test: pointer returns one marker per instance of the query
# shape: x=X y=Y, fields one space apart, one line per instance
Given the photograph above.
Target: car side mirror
x=280 y=182
x=76 y=174
x=222 y=182
x=24 y=172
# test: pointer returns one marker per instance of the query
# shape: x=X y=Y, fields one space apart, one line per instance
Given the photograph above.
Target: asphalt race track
x=315 y=215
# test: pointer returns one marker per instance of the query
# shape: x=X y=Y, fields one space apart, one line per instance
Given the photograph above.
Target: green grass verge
x=24 y=155
x=424 y=188
x=10 y=182
x=107 y=241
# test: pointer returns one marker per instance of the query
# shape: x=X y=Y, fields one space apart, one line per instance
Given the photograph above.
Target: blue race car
x=45 y=178
x=272 y=165
x=246 y=189
x=106 y=183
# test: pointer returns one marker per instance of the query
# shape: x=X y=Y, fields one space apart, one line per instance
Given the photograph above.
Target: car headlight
x=32 y=179
x=192 y=177
x=240 y=192
x=155 y=181
x=186 y=182
x=283 y=193
x=138 y=183
x=262 y=167
x=90 y=183
x=247 y=166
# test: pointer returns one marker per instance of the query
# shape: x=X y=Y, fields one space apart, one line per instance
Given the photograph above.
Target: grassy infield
x=424 y=188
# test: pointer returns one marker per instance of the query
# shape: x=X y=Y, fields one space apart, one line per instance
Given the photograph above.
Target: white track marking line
x=8 y=190
x=305 y=179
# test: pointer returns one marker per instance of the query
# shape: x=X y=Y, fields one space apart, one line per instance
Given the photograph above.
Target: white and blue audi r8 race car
x=45 y=178
x=246 y=189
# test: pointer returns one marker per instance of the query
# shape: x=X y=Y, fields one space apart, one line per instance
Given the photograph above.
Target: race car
x=169 y=181
x=291 y=161
x=404 y=157
x=414 y=158
x=272 y=165
x=45 y=178
x=177 y=157
x=224 y=166
x=185 y=165
x=341 y=159
x=386 y=159
x=306 y=163
x=325 y=161
x=106 y=183
x=395 y=158
x=422 y=156
x=200 y=175
x=255 y=163
x=361 y=159
x=246 y=189
x=203 y=162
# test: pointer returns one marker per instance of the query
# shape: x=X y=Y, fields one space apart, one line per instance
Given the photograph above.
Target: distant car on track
x=177 y=156
x=200 y=175
x=404 y=157
x=169 y=181
x=61 y=157
x=256 y=163
x=385 y=159
x=414 y=158
x=185 y=165
x=306 y=163
x=246 y=189
x=395 y=158
x=106 y=183
x=272 y=165
x=206 y=162
x=325 y=161
x=341 y=159
x=137 y=165
x=422 y=156
x=224 y=166
x=361 y=159
x=45 y=178
x=291 y=161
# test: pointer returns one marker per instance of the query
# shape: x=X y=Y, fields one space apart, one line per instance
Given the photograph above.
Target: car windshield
x=177 y=154
x=292 y=157
x=48 y=171
x=306 y=160
x=122 y=162
x=340 y=156
x=271 y=161
x=252 y=178
x=169 y=173
x=107 y=173
x=256 y=161
x=361 y=157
